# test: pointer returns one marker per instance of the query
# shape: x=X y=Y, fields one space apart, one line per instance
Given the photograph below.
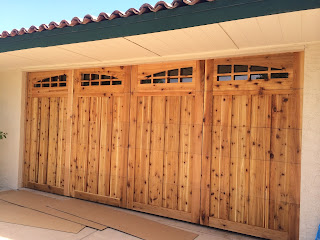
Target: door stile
x=68 y=147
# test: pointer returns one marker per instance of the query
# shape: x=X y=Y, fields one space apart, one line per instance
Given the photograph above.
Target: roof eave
x=182 y=17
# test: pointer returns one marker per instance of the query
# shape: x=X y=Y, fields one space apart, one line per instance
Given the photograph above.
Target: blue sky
x=24 y=13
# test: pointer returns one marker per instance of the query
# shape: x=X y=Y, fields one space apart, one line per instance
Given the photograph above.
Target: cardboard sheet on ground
x=11 y=213
x=122 y=221
x=39 y=203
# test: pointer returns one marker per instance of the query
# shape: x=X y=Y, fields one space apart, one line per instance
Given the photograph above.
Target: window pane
x=160 y=74
x=62 y=84
x=54 y=79
x=279 y=75
x=173 y=72
x=159 y=80
x=85 y=84
x=105 y=77
x=258 y=76
x=172 y=80
x=258 y=68
x=224 y=68
x=224 y=78
x=186 y=80
x=94 y=76
x=85 y=77
x=147 y=81
x=94 y=83
x=105 y=83
x=116 y=82
x=240 y=68
x=186 y=71
x=63 y=78
x=241 y=77
x=46 y=80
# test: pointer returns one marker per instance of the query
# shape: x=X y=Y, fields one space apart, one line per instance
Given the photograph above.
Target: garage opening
x=214 y=142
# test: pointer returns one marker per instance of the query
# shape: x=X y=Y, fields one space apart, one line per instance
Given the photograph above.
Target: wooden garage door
x=46 y=125
x=215 y=142
x=100 y=135
x=251 y=146
x=165 y=139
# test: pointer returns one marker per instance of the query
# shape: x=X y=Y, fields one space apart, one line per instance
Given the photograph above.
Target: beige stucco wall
x=310 y=162
x=11 y=121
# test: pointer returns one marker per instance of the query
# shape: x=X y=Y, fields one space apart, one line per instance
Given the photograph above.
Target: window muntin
x=172 y=76
x=88 y=79
x=239 y=72
x=52 y=82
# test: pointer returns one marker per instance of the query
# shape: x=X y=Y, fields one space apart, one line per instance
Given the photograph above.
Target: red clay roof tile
x=145 y=8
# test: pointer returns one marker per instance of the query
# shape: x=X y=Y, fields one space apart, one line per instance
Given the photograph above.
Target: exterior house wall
x=310 y=159
x=12 y=95
x=12 y=88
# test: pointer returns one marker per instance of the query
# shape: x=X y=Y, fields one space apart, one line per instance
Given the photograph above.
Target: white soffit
x=287 y=29
x=13 y=62
x=110 y=49
x=196 y=39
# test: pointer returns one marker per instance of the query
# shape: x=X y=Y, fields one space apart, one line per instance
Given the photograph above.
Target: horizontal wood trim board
x=161 y=211
x=247 y=229
x=96 y=198
x=45 y=188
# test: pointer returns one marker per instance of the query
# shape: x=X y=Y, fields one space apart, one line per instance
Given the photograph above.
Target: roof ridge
x=144 y=8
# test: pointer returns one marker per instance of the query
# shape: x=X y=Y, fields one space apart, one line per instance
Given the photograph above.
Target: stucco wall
x=11 y=121
x=310 y=162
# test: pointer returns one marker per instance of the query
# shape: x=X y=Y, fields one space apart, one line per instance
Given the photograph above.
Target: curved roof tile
x=145 y=8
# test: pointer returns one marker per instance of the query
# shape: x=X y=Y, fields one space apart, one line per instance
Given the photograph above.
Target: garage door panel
x=251 y=145
x=166 y=146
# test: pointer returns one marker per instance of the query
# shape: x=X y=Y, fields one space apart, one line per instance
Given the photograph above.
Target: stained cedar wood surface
x=152 y=147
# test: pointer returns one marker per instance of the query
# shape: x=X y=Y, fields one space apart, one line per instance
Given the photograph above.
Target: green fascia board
x=178 y=18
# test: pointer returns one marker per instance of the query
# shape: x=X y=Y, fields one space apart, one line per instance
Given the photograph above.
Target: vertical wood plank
x=239 y=168
x=105 y=146
x=171 y=155
x=142 y=149
x=74 y=147
x=53 y=141
x=221 y=134
x=94 y=145
x=61 y=152
x=132 y=145
x=260 y=160
x=119 y=146
x=197 y=141
x=82 y=153
x=285 y=163
x=34 y=147
x=44 y=137
x=207 y=144
x=69 y=165
x=185 y=155
x=156 y=151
